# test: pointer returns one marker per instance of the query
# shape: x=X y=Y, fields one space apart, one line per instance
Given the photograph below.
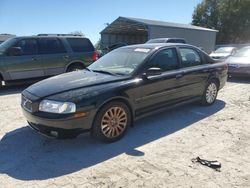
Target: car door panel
x=155 y=91
x=54 y=55
x=27 y=65
x=195 y=74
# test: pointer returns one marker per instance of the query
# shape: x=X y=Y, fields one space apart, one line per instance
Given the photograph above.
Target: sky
x=31 y=17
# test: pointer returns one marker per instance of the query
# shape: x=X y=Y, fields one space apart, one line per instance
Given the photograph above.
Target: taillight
x=226 y=66
x=95 y=56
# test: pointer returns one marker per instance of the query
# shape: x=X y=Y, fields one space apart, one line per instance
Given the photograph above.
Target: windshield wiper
x=104 y=72
x=88 y=69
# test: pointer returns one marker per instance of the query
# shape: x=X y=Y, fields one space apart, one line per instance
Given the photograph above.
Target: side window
x=190 y=57
x=166 y=60
x=28 y=46
x=51 y=46
x=80 y=44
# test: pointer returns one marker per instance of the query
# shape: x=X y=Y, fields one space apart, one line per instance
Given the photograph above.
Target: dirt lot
x=157 y=152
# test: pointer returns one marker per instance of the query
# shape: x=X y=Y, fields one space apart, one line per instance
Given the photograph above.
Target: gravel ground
x=157 y=152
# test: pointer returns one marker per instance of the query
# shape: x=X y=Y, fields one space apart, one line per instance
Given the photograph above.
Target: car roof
x=168 y=39
x=27 y=37
x=157 y=45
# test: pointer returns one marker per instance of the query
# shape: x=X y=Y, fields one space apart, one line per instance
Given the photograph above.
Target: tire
x=75 y=67
x=210 y=93
x=111 y=122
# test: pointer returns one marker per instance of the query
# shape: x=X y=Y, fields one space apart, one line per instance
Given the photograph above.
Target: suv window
x=189 y=57
x=28 y=46
x=51 y=46
x=176 y=41
x=80 y=44
x=166 y=60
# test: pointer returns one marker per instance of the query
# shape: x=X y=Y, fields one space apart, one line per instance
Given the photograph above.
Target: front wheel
x=210 y=93
x=111 y=122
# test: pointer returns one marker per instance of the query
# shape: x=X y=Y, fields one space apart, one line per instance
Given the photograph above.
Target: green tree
x=98 y=45
x=80 y=33
x=230 y=17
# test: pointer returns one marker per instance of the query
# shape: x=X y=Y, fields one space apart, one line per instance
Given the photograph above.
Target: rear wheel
x=210 y=93
x=1 y=82
x=75 y=67
x=111 y=122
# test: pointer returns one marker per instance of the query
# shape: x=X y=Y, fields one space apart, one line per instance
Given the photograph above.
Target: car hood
x=219 y=54
x=70 y=81
x=238 y=60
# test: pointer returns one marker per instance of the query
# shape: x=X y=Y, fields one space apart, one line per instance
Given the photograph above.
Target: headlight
x=57 y=107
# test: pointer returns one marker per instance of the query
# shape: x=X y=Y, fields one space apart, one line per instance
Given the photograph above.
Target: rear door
x=82 y=50
x=54 y=55
x=195 y=73
x=28 y=64
x=157 y=91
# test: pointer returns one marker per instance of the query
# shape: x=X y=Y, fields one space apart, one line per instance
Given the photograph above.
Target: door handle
x=205 y=71
x=178 y=76
x=66 y=57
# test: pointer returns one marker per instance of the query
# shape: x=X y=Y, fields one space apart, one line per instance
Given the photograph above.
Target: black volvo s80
x=122 y=86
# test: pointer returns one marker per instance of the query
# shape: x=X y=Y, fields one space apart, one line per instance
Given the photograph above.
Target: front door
x=28 y=64
x=157 y=91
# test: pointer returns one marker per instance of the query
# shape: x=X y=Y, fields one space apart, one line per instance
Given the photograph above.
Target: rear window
x=80 y=44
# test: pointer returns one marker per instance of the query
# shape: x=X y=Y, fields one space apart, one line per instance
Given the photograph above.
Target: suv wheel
x=75 y=67
x=210 y=93
x=111 y=122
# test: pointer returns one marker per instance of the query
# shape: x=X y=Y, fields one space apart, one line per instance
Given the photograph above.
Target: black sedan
x=122 y=86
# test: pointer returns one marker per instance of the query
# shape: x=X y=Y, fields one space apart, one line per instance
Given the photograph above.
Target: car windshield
x=121 y=61
x=6 y=44
x=245 y=52
x=224 y=50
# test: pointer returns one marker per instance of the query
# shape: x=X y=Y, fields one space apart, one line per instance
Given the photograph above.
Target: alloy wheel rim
x=211 y=93
x=114 y=122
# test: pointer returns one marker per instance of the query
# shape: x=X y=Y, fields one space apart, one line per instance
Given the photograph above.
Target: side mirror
x=15 y=51
x=153 y=71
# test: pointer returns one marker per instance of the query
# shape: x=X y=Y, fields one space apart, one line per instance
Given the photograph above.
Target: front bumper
x=59 y=127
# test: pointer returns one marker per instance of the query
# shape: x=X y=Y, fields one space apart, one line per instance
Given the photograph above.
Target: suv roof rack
x=71 y=35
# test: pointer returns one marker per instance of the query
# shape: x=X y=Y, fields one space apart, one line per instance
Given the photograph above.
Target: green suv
x=43 y=56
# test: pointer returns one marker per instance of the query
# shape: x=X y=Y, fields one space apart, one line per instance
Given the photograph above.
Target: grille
x=26 y=104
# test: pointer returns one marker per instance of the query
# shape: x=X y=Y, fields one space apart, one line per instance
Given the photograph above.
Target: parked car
x=40 y=56
x=223 y=52
x=121 y=87
x=239 y=63
x=167 y=40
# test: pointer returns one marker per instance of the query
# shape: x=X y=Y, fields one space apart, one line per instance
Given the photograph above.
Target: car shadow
x=14 y=89
x=25 y=155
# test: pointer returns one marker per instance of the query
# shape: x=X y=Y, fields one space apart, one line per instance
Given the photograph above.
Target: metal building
x=134 y=31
